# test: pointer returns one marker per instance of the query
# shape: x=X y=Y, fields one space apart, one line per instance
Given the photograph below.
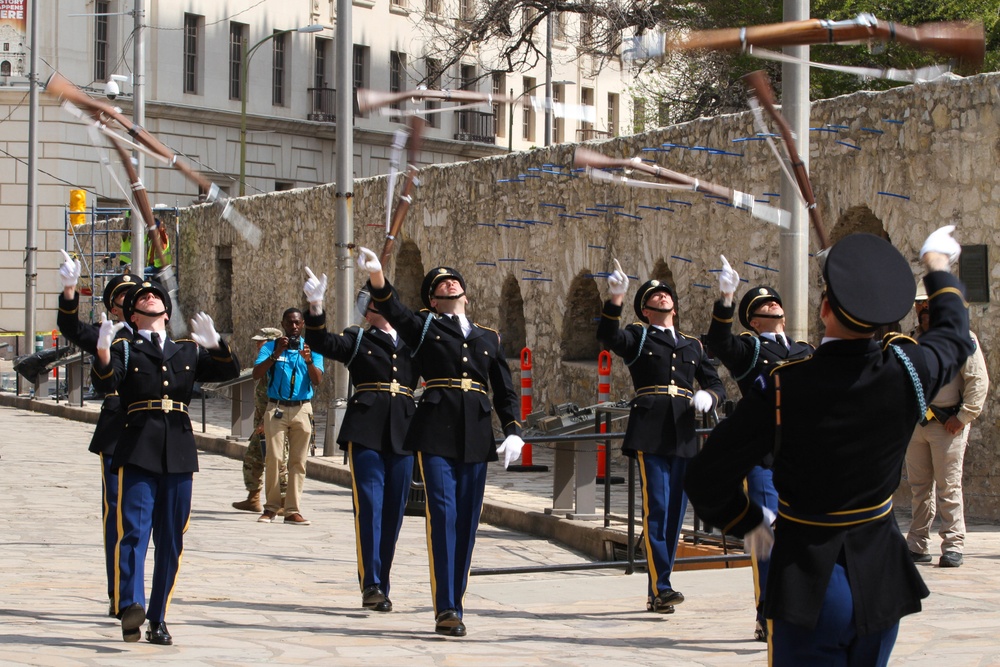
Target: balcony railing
x=477 y=126
x=323 y=101
x=586 y=134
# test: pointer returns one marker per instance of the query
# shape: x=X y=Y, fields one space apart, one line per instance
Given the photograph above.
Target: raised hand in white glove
x=702 y=401
x=368 y=261
x=510 y=449
x=617 y=281
x=940 y=240
x=203 y=331
x=69 y=270
x=108 y=331
x=729 y=280
x=315 y=288
x=760 y=540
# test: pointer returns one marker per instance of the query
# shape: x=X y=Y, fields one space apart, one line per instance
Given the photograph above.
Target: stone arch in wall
x=579 y=330
x=409 y=273
x=661 y=271
x=511 y=324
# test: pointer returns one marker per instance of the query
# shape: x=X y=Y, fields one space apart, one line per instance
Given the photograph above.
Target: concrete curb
x=584 y=537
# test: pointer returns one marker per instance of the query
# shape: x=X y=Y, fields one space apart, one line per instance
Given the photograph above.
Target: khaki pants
x=296 y=422
x=934 y=459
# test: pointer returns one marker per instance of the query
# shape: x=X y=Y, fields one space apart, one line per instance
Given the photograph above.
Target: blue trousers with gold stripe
x=157 y=505
x=834 y=641
x=760 y=489
x=381 y=483
x=454 y=503
x=663 y=505
x=109 y=519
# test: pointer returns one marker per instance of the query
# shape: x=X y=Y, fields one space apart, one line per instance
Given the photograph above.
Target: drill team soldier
x=384 y=375
x=112 y=417
x=451 y=431
x=664 y=365
x=156 y=455
x=838 y=424
x=757 y=350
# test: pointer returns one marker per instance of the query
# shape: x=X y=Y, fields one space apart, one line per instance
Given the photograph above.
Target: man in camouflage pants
x=253 y=459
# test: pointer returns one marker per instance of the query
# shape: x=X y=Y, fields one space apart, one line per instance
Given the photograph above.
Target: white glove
x=108 y=332
x=69 y=270
x=729 y=280
x=702 y=401
x=203 y=331
x=510 y=449
x=941 y=241
x=617 y=281
x=760 y=540
x=368 y=261
x=315 y=288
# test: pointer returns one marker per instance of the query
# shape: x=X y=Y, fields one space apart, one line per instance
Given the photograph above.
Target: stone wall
x=529 y=233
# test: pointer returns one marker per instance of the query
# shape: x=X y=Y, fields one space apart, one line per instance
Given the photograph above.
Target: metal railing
x=323 y=102
x=472 y=125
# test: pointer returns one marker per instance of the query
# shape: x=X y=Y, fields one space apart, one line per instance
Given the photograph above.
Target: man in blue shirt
x=291 y=369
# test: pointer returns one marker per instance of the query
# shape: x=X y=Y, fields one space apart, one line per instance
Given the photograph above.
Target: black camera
x=293 y=342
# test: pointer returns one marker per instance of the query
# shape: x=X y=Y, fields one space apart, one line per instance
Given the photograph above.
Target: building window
x=587 y=29
x=432 y=6
x=527 y=113
x=466 y=10
x=559 y=28
x=587 y=100
x=613 y=114
x=638 y=115
x=102 y=37
x=278 y=70
x=321 y=62
x=236 y=32
x=500 y=110
x=558 y=124
x=192 y=31
x=399 y=4
x=282 y=186
x=360 y=72
x=433 y=76
x=397 y=77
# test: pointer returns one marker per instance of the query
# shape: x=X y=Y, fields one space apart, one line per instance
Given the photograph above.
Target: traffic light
x=77 y=207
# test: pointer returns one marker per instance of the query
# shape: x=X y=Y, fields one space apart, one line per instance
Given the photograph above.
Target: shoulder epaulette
x=748 y=333
x=487 y=328
x=119 y=339
x=183 y=340
x=786 y=364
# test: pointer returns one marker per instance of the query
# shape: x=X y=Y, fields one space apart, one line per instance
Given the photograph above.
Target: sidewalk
x=252 y=593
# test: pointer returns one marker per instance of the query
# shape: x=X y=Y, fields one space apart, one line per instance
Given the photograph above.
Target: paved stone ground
x=251 y=593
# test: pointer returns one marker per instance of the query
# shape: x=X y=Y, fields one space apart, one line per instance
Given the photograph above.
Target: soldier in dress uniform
x=156 y=454
x=384 y=375
x=664 y=365
x=838 y=424
x=762 y=346
x=112 y=417
x=452 y=430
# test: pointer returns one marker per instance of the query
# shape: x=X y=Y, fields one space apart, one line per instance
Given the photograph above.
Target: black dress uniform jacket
x=374 y=419
x=112 y=418
x=748 y=354
x=838 y=424
x=454 y=422
x=153 y=439
x=658 y=423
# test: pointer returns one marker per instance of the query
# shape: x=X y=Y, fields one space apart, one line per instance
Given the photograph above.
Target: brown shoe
x=251 y=504
x=297 y=519
x=266 y=517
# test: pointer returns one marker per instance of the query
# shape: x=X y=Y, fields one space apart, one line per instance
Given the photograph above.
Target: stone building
x=533 y=236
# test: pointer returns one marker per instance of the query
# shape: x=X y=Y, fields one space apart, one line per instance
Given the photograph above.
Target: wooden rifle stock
x=765 y=96
x=964 y=41
x=376 y=99
x=406 y=194
x=588 y=158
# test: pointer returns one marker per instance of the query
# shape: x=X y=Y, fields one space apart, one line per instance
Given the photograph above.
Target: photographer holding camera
x=291 y=369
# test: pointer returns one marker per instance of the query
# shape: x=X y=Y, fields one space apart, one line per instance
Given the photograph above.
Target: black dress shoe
x=449 y=623
x=384 y=605
x=920 y=558
x=133 y=617
x=665 y=602
x=158 y=634
x=371 y=597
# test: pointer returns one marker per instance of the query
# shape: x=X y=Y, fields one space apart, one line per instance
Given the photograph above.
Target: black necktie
x=670 y=336
x=154 y=338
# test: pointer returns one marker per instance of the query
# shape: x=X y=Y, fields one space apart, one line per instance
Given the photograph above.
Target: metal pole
x=243 y=115
x=548 y=79
x=30 y=244
x=794 y=275
x=510 y=122
x=139 y=117
x=344 y=207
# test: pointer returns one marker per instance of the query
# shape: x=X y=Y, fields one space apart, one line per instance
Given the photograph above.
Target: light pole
x=510 y=107
x=244 y=87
